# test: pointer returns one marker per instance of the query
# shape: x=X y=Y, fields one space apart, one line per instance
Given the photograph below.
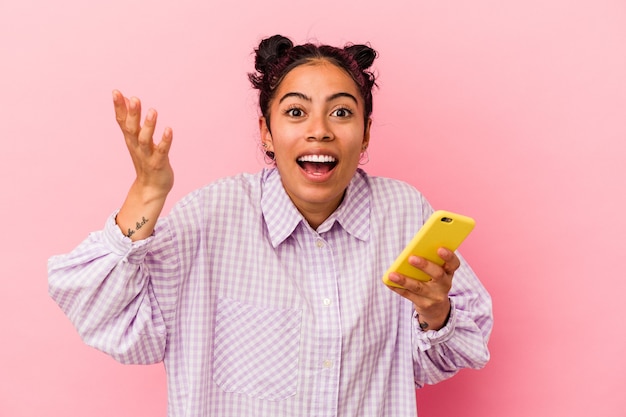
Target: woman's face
x=318 y=134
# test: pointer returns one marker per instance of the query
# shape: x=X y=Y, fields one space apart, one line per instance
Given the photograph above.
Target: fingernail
x=394 y=277
x=150 y=115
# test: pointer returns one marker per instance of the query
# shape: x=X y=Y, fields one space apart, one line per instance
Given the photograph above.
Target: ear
x=366 y=134
x=266 y=135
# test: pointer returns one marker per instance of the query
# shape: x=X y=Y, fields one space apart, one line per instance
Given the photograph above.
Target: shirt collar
x=282 y=217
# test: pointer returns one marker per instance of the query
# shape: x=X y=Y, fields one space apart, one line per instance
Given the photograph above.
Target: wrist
x=140 y=211
x=146 y=194
x=435 y=318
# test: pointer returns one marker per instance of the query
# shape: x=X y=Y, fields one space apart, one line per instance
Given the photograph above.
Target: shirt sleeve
x=106 y=289
x=462 y=342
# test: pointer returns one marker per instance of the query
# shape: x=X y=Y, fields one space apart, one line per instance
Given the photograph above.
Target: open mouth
x=317 y=164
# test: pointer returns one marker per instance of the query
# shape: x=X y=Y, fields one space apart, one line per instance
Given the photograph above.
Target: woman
x=262 y=293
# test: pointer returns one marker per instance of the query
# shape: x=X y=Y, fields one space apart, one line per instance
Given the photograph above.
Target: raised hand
x=154 y=174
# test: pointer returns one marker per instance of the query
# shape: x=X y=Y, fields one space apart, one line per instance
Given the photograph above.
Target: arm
x=154 y=174
x=104 y=285
x=453 y=318
x=106 y=288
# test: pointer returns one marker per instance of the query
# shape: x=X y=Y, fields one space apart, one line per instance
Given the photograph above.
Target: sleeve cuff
x=132 y=252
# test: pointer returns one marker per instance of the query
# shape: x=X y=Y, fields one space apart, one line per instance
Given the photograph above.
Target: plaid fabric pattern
x=256 y=314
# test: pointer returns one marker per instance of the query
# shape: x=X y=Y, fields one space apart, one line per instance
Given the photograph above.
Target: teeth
x=316 y=158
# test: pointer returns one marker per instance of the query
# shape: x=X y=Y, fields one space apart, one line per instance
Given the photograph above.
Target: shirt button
x=319 y=243
x=326 y=301
x=327 y=364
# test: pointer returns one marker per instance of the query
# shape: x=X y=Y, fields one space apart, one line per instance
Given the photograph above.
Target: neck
x=316 y=214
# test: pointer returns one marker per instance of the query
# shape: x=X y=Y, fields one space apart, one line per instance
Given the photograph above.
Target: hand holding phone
x=443 y=229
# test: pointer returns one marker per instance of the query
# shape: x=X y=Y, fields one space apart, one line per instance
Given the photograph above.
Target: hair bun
x=270 y=50
x=363 y=55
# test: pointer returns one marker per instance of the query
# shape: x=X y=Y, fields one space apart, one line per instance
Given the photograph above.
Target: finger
x=166 y=141
x=402 y=281
x=424 y=295
x=133 y=119
x=404 y=293
x=119 y=105
x=144 y=139
x=409 y=285
x=431 y=269
x=413 y=290
x=452 y=262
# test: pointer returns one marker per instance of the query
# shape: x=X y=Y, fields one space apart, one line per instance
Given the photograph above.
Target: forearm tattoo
x=138 y=226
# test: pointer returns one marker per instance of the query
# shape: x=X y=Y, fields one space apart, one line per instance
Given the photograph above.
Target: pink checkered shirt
x=256 y=314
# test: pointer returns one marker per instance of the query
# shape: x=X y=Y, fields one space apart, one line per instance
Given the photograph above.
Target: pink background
x=512 y=112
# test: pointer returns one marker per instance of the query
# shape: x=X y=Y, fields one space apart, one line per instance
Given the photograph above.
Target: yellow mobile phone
x=442 y=230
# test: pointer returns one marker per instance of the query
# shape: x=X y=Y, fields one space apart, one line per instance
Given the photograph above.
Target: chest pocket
x=256 y=350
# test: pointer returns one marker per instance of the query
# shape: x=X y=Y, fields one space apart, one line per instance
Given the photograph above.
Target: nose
x=318 y=129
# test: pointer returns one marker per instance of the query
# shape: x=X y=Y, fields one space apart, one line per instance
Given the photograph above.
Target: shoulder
x=236 y=188
x=397 y=202
x=393 y=191
x=226 y=197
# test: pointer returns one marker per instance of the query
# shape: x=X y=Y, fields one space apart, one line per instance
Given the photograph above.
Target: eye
x=342 y=112
x=294 y=112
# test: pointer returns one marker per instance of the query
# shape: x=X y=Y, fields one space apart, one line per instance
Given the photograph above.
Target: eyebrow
x=307 y=98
